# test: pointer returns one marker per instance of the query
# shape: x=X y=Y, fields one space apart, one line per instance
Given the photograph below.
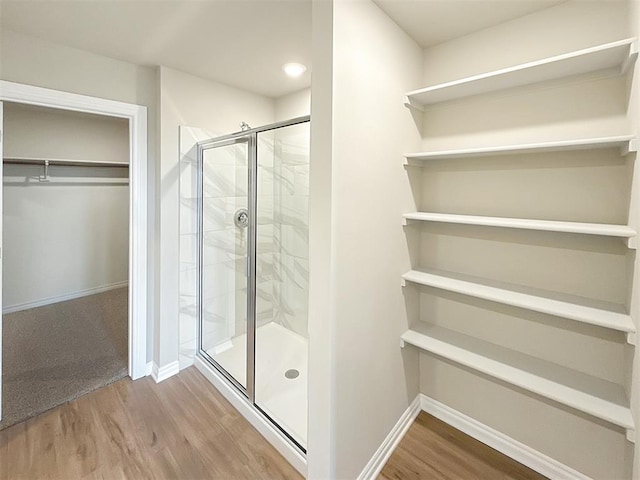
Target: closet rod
x=61 y=162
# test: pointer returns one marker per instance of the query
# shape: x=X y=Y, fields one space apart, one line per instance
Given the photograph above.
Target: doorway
x=136 y=116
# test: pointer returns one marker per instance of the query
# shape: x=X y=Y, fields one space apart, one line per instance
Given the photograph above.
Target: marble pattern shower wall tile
x=291 y=237
x=188 y=191
x=188 y=282
x=188 y=246
x=294 y=241
x=188 y=215
x=294 y=210
x=223 y=245
x=188 y=177
x=265 y=181
x=214 y=214
x=224 y=278
x=225 y=181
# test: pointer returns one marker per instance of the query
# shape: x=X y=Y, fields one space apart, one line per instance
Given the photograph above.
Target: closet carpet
x=56 y=353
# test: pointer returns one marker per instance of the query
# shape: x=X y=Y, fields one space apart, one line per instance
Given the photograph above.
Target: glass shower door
x=226 y=258
x=283 y=277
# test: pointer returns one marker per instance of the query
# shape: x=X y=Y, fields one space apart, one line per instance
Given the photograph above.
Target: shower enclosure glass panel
x=225 y=255
x=283 y=277
x=253 y=267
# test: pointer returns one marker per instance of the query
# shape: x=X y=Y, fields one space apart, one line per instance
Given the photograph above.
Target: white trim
x=389 y=444
x=248 y=411
x=512 y=448
x=149 y=369
x=137 y=116
x=62 y=298
x=160 y=374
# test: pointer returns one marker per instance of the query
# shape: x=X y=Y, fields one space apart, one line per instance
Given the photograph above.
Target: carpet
x=56 y=353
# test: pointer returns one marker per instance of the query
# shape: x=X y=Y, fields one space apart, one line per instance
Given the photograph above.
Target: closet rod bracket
x=45 y=176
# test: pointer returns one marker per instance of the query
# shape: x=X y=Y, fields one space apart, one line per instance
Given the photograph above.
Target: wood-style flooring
x=433 y=450
x=181 y=428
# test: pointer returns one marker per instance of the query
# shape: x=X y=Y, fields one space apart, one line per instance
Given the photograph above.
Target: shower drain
x=292 y=373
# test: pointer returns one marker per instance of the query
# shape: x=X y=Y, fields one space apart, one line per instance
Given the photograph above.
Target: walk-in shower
x=253 y=269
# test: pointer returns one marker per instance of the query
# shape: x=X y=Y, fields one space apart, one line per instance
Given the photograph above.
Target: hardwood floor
x=433 y=450
x=180 y=428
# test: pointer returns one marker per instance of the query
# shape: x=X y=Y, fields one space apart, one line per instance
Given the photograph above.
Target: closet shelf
x=602 y=314
x=622 y=231
x=588 y=394
x=626 y=144
x=615 y=55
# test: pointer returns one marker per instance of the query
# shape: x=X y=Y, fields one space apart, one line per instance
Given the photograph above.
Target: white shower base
x=277 y=350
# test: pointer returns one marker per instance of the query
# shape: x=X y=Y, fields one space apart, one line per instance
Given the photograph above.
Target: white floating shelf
x=615 y=55
x=604 y=229
x=625 y=143
x=602 y=314
x=588 y=394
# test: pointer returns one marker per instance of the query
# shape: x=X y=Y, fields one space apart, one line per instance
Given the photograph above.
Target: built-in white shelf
x=603 y=314
x=588 y=394
x=622 y=231
x=615 y=55
x=626 y=144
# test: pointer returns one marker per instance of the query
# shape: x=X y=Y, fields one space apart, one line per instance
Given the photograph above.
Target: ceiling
x=243 y=43
x=430 y=22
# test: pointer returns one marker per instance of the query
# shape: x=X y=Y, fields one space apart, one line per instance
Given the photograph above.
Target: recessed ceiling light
x=294 y=69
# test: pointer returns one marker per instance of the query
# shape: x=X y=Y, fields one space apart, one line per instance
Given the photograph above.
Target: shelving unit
x=602 y=314
x=615 y=55
x=626 y=144
x=591 y=395
x=622 y=231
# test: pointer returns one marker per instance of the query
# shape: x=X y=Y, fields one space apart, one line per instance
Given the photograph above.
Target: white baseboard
x=253 y=416
x=379 y=459
x=149 y=369
x=162 y=373
x=62 y=298
x=512 y=448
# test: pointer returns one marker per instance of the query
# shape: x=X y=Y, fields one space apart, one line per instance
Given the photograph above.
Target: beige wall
x=69 y=238
x=293 y=105
x=373 y=63
x=32 y=61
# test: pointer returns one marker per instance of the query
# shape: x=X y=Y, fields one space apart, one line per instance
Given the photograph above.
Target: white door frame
x=137 y=116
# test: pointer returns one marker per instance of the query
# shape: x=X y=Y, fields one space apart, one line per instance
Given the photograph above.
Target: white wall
x=62 y=239
x=186 y=100
x=33 y=61
x=294 y=105
x=584 y=186
x=374 y=62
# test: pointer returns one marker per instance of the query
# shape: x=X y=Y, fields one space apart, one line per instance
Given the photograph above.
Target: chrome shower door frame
x=250 y=137
x=250 y=140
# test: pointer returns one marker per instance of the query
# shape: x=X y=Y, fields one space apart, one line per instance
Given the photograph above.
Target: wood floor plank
x=433 y=450
x=181 y=428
